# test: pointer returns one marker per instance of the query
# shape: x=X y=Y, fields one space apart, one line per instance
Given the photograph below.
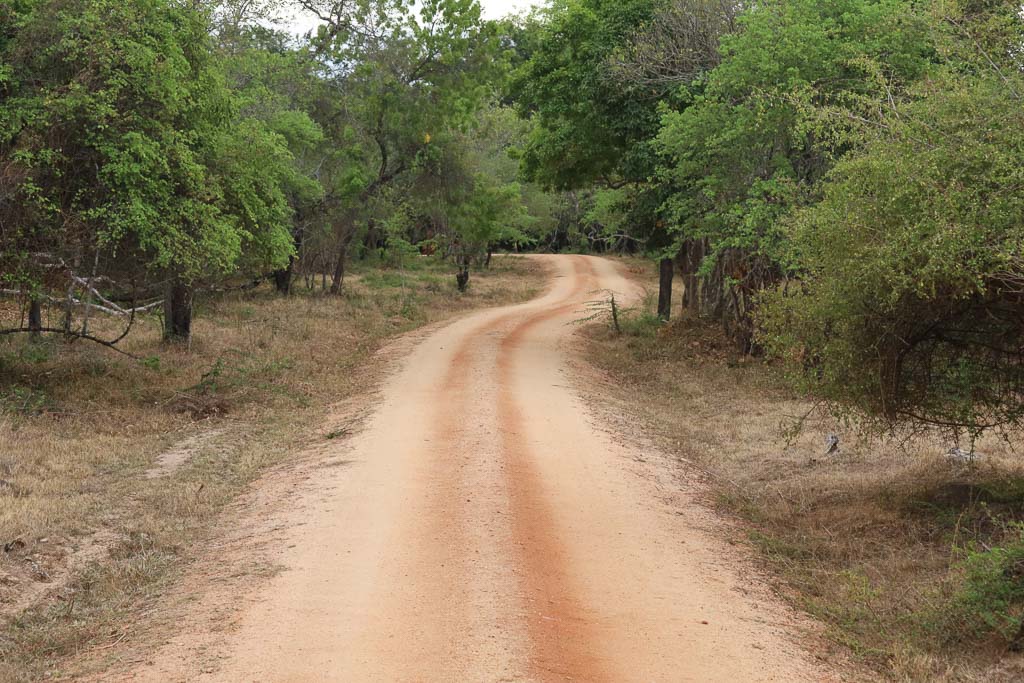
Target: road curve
x=485 y=530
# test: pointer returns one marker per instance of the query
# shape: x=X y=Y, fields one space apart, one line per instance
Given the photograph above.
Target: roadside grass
x=112 y=470
x=914 y=562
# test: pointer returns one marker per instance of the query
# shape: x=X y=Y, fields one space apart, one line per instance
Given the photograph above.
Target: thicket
x=151 y=150
x=836 y=182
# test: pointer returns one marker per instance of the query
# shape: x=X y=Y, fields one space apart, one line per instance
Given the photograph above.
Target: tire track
x=561 y=646
x=564 y=645
x=485 y=531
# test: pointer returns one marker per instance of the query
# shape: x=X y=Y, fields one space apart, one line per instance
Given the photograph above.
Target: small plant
x=209 y=382
x=37 y=353
x=642 y=323
x=607 y=308
x=23 y=401
x=636 y=321
x=991 y=599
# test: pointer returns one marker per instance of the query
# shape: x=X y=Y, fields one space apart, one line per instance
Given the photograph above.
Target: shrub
x=911 y=304
x=991 y=599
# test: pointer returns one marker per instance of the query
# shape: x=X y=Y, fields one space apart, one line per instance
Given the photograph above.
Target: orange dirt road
x=486 y=529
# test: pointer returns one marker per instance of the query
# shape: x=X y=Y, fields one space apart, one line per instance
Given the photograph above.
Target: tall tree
x=121 y=147
x=764 y=127
x=401 y=74
x=596 y=117
x=911 y=303
x=275 y=81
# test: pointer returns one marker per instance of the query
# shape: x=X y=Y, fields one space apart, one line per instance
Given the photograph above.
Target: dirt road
x=483 y=528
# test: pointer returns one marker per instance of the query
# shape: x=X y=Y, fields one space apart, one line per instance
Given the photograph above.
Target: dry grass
x=872 y=540
x=112 y=470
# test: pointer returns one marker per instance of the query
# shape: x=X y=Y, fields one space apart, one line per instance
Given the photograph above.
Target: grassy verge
x=914 y=562
x=112 y=470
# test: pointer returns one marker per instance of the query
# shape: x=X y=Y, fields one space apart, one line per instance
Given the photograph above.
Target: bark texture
x=666 y=272
x=178 y=311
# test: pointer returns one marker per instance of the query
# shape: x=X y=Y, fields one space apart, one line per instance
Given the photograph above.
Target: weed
x=37 y=352
x=634 y=321
x=642 y=324
x=24 y=401
x=990 y=599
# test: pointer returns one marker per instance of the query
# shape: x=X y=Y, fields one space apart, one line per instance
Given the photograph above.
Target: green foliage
x=990 y=599
x=119 y=133
x=911 y=263
x=634 y=321
x=754 y=140
x=24 y=401
x=863 y=153
x=589 y=126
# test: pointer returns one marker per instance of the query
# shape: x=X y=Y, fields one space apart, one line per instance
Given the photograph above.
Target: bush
x=634 y=321
x=991 y=598
x=911 y=305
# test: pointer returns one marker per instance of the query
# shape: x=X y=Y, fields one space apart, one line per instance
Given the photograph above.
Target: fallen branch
x=74 y=336
x=115 y=310
x=109 y=306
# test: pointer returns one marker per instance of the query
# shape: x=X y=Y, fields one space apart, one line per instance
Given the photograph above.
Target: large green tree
x=589 y=126
x=276 y=81
x=401 y=75
x=594 y=85
x=122 y=147
x=792 y=89
x=910 y=307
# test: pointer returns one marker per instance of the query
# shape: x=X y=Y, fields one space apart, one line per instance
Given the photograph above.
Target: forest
x=834 y=182
x=831 y=189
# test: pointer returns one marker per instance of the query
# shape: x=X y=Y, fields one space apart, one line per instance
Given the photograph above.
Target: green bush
x=911 y=296
x=991 y=599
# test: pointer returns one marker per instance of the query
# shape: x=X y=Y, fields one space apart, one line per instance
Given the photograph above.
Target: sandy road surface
x=484 y=530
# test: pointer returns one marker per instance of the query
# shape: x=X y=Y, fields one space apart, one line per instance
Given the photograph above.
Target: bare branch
x=678 y=45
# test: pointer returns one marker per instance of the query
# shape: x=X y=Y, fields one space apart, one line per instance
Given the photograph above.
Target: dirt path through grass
x=482 y=528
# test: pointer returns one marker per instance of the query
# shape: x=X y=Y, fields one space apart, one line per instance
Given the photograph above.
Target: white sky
x=496 y=9
x=493 y=9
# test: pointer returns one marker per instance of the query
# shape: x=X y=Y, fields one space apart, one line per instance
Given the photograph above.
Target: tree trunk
x=178 y=311
x=666 y=272
x=372 y=241
x=691 y=256
x=35 y=318
x=283 y=278
x=339 y=269
x=462 y=277
x=490 y=252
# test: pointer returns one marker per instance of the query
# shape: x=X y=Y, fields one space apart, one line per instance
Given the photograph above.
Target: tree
x=275 y=81
x=401 y=77
x=121 y=147
x=765 y=125
x=595 y=119
x=678 y=45
x=910 y=307
x=589 y=127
